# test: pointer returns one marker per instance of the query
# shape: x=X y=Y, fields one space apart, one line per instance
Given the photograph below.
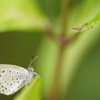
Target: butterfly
x=13 y=77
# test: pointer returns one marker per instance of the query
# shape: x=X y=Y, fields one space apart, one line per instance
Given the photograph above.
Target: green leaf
x=73 y=56
x=21 y=15
x=82 y=13
x=32 y=92
x=48 y=60
x=93 y=23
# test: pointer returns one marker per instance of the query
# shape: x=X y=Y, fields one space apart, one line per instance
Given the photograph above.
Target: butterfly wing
x=12 y=78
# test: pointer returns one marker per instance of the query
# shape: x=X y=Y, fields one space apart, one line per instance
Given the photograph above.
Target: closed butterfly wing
x=12 y=78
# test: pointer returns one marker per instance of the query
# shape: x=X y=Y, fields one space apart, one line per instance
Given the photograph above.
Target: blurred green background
x=66 y=33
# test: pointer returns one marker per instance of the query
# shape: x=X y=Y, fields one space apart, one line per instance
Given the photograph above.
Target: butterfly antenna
x=33 y=58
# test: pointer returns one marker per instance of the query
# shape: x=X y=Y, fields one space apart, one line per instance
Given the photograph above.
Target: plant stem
x=55 y=92
x=64 y=14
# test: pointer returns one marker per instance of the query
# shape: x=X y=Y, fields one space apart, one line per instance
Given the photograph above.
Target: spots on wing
x=11 y=79
x=3 y=89
x=3 y=71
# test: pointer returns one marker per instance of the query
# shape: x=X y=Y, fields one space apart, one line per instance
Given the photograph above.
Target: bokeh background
x=69 y=61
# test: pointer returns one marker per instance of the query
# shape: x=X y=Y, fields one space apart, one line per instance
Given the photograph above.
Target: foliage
x=66 y=34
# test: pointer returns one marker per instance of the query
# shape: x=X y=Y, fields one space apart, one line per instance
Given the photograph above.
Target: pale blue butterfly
x=13 y=77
